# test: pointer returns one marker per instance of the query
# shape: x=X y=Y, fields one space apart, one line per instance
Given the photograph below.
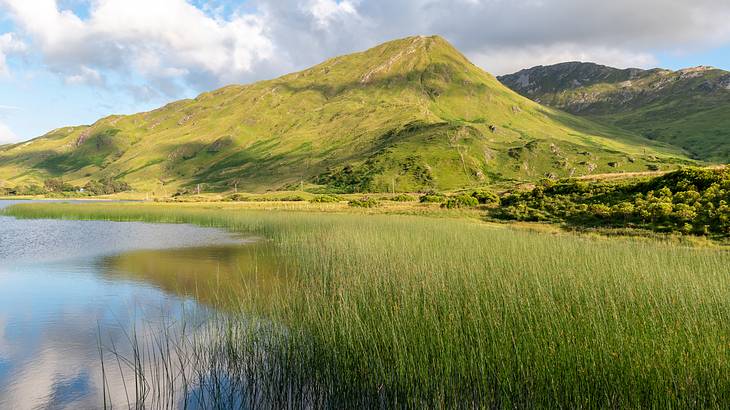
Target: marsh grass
x=407 y=311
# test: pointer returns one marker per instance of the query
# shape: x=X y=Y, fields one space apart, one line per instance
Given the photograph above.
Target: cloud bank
x=9 y=44
x=166 y=43
x=163 y=47
x=7 y=135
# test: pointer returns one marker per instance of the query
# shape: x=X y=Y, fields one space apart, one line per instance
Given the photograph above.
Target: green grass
x=405 y=311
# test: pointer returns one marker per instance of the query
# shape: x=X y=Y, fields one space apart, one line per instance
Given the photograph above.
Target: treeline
x=56 y=186
x=690 y=200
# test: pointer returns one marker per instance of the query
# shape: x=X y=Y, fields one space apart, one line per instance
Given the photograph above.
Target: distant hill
x=688 y=108
x=411 y=114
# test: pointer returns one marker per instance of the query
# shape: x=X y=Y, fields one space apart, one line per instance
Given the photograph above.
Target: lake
x=67 y=287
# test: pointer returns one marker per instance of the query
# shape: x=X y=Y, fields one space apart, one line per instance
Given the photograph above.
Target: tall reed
x=404 y=311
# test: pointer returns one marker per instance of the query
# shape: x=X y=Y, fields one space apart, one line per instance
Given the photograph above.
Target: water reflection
x=62 y=281
x=214 y=275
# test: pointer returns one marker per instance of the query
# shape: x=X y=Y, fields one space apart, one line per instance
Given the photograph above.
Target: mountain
x=688 y=108
x=411 y=114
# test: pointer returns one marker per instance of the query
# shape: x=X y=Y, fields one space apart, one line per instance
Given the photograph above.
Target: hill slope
x=688 y=108
x=412 y=114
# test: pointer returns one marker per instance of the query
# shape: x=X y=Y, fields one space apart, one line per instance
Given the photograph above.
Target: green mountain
x=411 y=114
x=688 y=108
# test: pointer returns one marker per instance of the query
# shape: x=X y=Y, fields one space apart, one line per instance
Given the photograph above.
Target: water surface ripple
x=56 y=293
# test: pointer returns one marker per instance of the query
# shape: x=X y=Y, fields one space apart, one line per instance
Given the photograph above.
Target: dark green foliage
x=690 y=200
x=57 y=185
x=486 y=197
x=31 y=189
x=325 y=199
x=432 y=197
x=351 y=178
x=238 y=198
x=403 y=198
x=248 y=198
x=460 y=201
x=362 y=177
x=288 y=198
x=188 y=191
x=106 y=186
x=365 y=202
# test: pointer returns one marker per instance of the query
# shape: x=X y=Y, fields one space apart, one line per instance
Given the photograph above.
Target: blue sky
x=68 y=62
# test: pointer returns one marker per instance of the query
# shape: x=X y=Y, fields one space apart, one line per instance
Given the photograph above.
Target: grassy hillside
x=412 y=114
x=688 y=108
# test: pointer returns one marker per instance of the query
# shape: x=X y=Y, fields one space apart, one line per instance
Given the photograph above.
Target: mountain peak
x=402 y=60
x=411 y=114
x=409 y=54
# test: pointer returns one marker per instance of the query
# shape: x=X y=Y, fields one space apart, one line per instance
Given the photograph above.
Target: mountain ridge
x=688 y=108
x=410 y=114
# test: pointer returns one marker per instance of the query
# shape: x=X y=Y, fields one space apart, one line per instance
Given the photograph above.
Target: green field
x=414 y=311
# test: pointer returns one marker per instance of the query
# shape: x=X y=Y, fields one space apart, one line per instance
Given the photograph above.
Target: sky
x=71 y=62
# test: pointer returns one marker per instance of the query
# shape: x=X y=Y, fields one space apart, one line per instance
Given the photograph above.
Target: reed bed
x=407 y=311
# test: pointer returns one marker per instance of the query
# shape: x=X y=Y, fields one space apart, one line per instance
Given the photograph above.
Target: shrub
x=403 y=198
x=238 y=198
x=600 y=210
x=690 y=200
x=486 y=197
x=31 y=189
x=57 y=185
x=325 y=199
x=432 y=197
x=106 y=186
x=461 y=201
x=289 y=198
x=364 y=203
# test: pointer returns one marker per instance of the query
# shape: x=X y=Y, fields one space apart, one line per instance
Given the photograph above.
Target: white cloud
x=85 y=75
x=7 y=135
x=159 y=40
x=500 y=35
x=9 y=44
x=165 y=46
x=500 y=61
x=327 y=11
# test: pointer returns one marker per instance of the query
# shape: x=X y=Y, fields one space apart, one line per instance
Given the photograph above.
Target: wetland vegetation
x=411 y=311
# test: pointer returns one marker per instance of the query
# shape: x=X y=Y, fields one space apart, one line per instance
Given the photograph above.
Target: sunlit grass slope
x=687 y=108
x=411 y=114
x=422 y=312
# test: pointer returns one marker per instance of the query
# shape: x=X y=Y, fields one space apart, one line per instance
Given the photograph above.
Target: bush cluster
x=106 y=186
x=31 y=189
x=690 y=200
x=248 y=198
x=325 y=199
x=58 y=187
x=403 y=198
x=460 y=201
x=432 y=197
x=486 y=197
x=365 y=202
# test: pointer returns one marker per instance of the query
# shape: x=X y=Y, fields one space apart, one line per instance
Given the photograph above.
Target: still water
x=64 y=285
